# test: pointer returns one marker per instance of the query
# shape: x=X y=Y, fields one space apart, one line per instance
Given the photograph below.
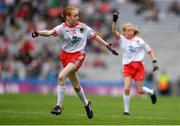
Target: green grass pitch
x=29 y=109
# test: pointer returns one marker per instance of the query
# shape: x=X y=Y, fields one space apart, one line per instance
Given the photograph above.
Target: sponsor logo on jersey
x=75 y=40
x=132 y=49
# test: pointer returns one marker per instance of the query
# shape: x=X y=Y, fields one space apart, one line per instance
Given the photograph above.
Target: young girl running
x=73 y=36
x=133 y=50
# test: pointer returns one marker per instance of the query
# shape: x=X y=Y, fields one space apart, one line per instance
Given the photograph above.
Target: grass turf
x=29 y=109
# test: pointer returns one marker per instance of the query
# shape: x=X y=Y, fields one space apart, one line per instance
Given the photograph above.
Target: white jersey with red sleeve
x=133 y=49
x=74 y=38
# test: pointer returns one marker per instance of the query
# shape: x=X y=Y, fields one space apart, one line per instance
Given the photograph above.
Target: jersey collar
x=71 y=26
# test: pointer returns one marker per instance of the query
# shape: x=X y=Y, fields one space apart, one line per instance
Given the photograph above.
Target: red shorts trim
x=77 y=58
x=134 y=70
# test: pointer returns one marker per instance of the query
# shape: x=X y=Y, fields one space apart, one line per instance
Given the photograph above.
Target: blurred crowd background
x=23 y=57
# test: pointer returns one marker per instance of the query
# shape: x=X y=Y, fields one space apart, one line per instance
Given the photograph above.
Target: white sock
x=126 y=99
x=148 y=91
x=82 y=96
x=60 y=94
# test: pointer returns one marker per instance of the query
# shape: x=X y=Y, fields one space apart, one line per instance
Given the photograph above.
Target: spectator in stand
x=175 y=7
x=164 y=84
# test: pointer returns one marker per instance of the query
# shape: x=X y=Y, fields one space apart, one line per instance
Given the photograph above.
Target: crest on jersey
x=138 y=42
x=81 y=30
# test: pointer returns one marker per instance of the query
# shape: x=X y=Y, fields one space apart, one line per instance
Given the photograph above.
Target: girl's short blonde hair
x=130 y=24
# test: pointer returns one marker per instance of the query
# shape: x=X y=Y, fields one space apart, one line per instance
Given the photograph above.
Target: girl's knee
x=140 y=91
x=77 y=89
x=61 y=77
x=127 y=91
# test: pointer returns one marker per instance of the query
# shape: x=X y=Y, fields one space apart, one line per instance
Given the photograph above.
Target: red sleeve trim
x=149 y=51
x=55 y=33
x=94 y=36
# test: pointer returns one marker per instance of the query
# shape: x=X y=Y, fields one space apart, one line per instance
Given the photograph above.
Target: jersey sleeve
x=91 y=34
x=147 y=47
x=57 y=30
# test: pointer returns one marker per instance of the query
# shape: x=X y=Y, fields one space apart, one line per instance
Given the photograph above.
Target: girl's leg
x=126 y=96
x=79 y=91
x=76 y=85
x=61 y=87
x=61 y=81
x=142 y=89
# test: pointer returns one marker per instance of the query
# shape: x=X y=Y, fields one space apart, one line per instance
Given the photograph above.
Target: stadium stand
x=18 y=19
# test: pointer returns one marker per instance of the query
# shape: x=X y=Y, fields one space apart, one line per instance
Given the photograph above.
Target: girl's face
x=129 y=32
x=73 y=18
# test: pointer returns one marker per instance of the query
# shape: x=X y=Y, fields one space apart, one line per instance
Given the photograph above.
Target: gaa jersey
x=133 y=49
x=74 y=38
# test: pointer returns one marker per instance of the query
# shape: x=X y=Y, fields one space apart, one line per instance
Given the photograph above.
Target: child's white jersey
x=133 y=49
x=74 y=38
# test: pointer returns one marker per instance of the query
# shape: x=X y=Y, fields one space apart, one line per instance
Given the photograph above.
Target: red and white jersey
x=133 y=49
x=74 y=38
